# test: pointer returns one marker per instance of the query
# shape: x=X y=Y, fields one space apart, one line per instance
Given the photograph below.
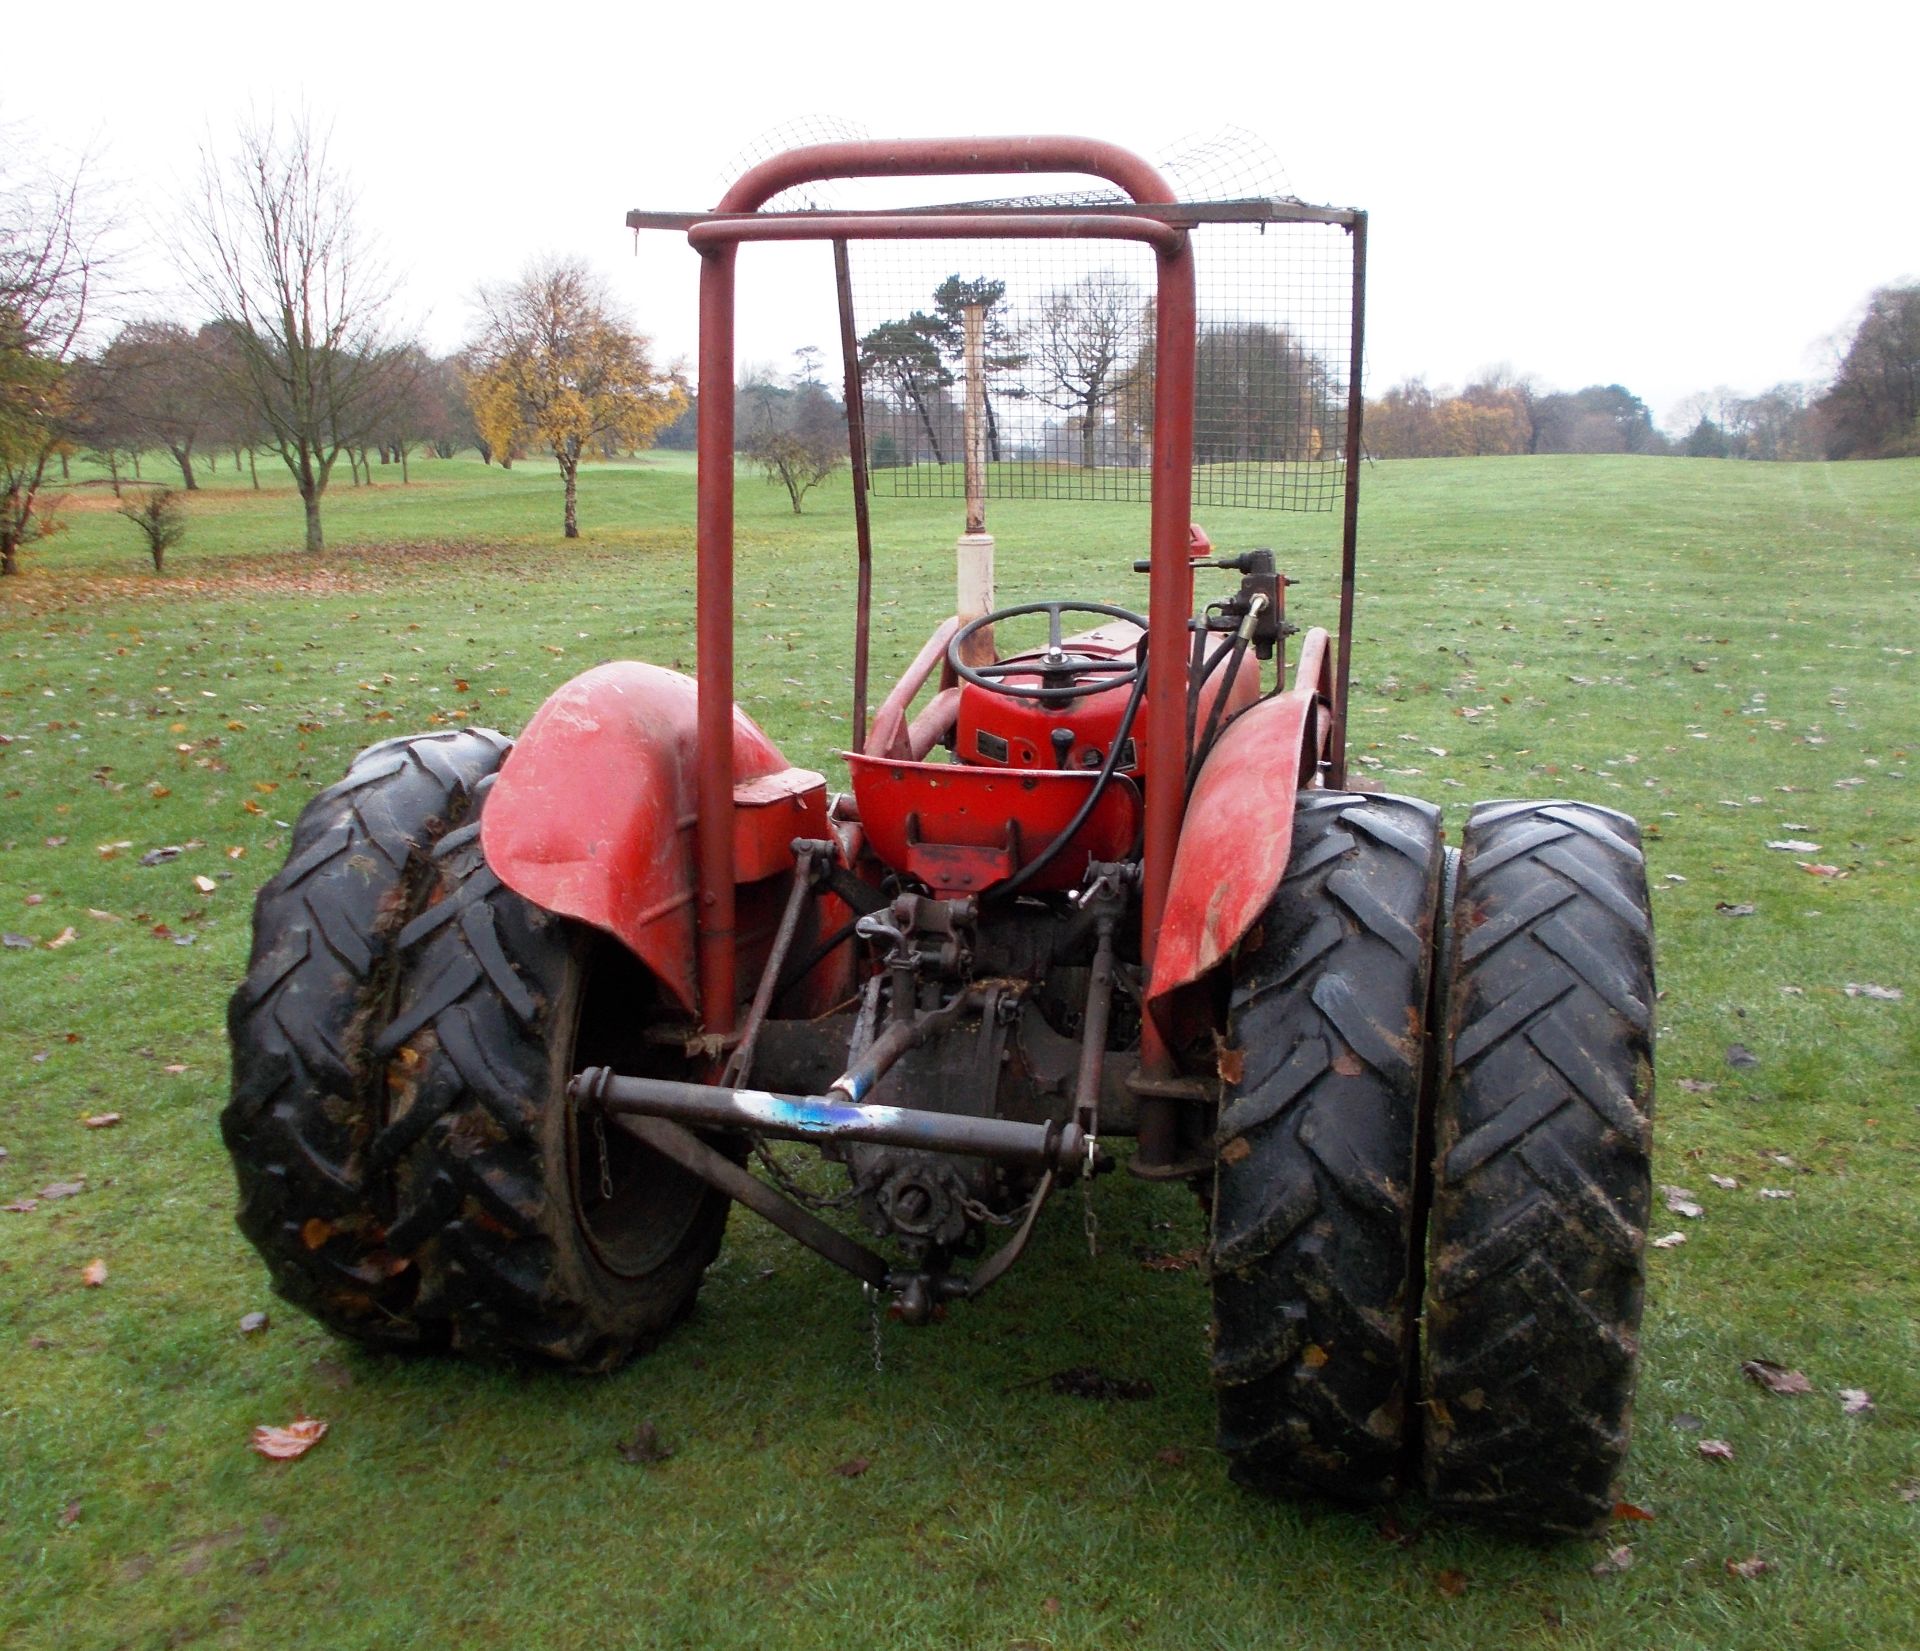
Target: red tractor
x=520 y=1014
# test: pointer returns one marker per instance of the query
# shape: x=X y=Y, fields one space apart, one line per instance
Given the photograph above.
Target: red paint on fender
x=593 y=814
x=1239 y=826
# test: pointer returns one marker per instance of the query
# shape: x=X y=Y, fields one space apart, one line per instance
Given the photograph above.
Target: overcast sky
x=1671 y=197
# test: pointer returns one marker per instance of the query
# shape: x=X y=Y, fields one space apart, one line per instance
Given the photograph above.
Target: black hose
x=794 y=973
x=1219 y=706
x=1047 y=855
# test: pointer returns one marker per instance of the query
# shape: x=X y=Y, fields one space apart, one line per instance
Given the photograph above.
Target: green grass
x=1722 y=649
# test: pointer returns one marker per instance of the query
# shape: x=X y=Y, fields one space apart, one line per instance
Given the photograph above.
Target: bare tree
x=1083 y=341
x=161 y=376
x=48 y=265
x=797 y=436
x=274 y=248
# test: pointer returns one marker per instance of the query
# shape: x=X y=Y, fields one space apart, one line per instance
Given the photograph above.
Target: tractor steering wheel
x=1064 y=676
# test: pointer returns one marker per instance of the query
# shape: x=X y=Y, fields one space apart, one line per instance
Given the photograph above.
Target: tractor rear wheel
x=1541 y=1174
x=535 y=1231
x=1315 y=1225
x=306 y=1096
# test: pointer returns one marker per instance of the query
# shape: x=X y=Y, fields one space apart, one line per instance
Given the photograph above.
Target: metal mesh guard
x=1068 y=365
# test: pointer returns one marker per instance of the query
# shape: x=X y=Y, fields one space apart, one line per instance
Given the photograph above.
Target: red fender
x=593 y=813
x=1238 y=829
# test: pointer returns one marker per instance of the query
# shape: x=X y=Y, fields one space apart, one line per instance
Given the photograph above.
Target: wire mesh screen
x=1067 y=363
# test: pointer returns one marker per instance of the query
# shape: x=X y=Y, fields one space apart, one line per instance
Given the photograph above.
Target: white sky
x=1670 y=196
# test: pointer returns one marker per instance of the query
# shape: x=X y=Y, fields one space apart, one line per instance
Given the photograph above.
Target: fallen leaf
x=1170 y=1456
x=1728 y=909
x=644 y=1448
x=94 y=1274
x=1909 y=1490
x=1726 y=1183
x=315 y=1231
x=103 y=916
x=100 y=1120
x=1632 y=1511
x=1686 y=1421
x=206 y=885
x=1617 y=1560
x=1776 y=1192
x=283 y=1444
x=160 y=856
x=1775 y=1378
x=1171 y=1261
x=1715 y=1450
x=1814 y=870
x=1231 y=1064
x=174 y=1067
x=66 y=937
x=35 y=900
x=1855 y=1401
x=853 y=1467
x=1739 y=1055
x=1451 y=1583
x=63 y=1189
x=1680 y=1202
x=16 y=942
x=252 y=1324
x=237 y=852
x=1086 y=1381
x=69 y=1515
x=1884 y=994
x=21 y=1206
x=1749 y=1568
x=1671 y=1241
x=1794 y=845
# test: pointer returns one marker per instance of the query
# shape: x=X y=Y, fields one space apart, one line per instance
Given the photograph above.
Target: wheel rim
x=633 y=1207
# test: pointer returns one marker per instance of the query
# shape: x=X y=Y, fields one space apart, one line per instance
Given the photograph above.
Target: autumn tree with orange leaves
x=555 y=363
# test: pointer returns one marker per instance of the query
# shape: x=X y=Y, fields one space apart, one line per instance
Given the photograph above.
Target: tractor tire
x=535 y=1234
x=1315 y=1219
x=1542 y=1175
x=306 y=1096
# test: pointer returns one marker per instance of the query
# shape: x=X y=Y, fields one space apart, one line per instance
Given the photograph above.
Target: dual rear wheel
x=410 y=1164
x=1432 y=1175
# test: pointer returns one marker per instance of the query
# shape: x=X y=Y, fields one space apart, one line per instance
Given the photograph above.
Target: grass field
x=1726 y=650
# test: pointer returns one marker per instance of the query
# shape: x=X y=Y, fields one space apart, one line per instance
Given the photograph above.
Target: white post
x=974 y=552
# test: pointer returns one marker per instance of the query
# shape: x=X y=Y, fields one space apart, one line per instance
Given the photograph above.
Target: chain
x=873 y=1324
x=792 y=1188
x=606 y=1165
x=974 y=1210
x=1089 y=1222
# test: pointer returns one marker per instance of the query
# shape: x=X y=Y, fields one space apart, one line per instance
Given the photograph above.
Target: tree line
x=1869 y=410
x=300 y=358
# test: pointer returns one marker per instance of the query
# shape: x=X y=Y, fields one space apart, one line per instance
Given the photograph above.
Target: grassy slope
x=1680 y=639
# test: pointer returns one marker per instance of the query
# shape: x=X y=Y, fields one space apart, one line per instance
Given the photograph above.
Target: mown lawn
x=1726 y=650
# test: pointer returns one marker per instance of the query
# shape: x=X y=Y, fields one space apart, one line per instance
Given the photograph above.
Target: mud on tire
x=1541 y=1178
x=306 y=1097
x=1315 y=1225
x=532 y=1232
